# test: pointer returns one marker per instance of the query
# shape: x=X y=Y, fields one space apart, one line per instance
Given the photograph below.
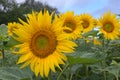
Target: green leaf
x=114 y=63
x=80 y=60
x=114 y=70
x=14 y=73
x=3 y=29
x=91 y=33
x=3 y=32
x=74 y=68
x=12 y=42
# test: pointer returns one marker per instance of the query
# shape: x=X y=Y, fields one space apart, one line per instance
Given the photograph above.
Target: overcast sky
x=94 y=7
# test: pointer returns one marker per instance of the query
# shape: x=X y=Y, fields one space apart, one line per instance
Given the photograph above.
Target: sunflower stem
x=49 y=76
x=36 y=78
x=62 y=72
x=68 y=74
x=85 y=43
x=104 y=72
x=3 y=60
x=86 y=70
x=103 y=62
x=71 y=77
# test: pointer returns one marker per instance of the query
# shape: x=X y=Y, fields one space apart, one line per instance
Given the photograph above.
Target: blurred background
x=11 y=10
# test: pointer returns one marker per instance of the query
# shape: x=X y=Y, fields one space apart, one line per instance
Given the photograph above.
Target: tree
x=5 y=7
x=10 y=11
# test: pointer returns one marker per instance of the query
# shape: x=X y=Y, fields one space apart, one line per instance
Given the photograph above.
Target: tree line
x=10 y=10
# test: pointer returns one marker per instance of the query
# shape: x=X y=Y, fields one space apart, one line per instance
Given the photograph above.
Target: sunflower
x=11 y=27
x=42 y=45
x=71 y=25
x=95 y=22
x=88 y=22
x=96 y=41
x=109 y=26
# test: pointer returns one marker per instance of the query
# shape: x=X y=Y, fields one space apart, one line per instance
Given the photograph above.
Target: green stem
x=85 y=43
x=103 y=43
x=36 y=77
x=105 y=77
x=3 y=53
x=86 y=70
x=68 y=74
x=62 y=72
x=103 y=62
x=117 y=78
x=71 y=77
x=3 y=59
x=49 y=76
x=104 y=73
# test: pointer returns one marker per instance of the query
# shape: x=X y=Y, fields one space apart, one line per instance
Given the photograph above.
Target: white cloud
x=94 y=7
x=77 y=6
x=20 y=1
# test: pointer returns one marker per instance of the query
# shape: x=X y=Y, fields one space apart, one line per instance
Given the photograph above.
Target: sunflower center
x=43 y=43
x=108 y=27
x=85 y=24
x=70 y=25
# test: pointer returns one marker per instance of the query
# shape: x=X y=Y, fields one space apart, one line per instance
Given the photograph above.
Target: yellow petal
x=46 y=67
x=51 y=63
x=65 y=49
x=32 y=65
x=41 y=66
x=37 y=68
x=26 y=64
x=24 y=57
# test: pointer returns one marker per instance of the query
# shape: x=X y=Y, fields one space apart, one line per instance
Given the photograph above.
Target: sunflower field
x=48 y=46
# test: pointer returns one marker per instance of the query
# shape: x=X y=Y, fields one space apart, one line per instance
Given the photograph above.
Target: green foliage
x=14 y=73
x=94 y=62
x=88 y=62
x=3 y=32
x=12 y=42
x=91 y=33
x=79 y=60
x=3 y=36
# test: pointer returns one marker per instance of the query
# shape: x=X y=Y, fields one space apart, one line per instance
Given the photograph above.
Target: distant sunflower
x=95 y=22
x=11 y=27
x=96 y=41
x=109 y=26
x=71 y=25
x=88 y=22
x=42 y=45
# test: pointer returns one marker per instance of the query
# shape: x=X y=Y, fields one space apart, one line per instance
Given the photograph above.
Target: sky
x=94 y=7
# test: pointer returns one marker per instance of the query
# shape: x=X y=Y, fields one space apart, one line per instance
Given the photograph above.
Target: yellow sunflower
x=88 y=22
x=42 y=45
x=96 y=41
x=95 y=22
x=109 y=26
x=11 y=27
x=71 y=25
